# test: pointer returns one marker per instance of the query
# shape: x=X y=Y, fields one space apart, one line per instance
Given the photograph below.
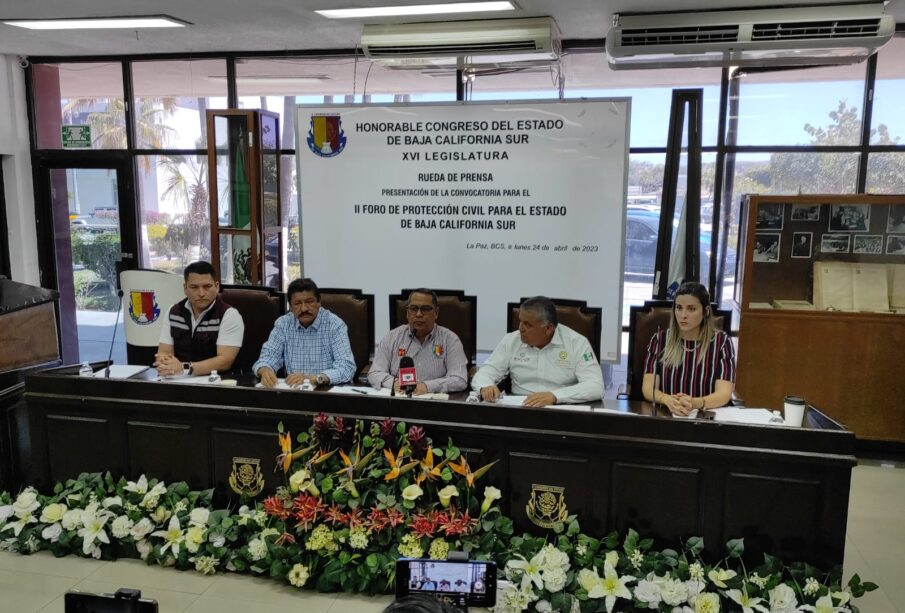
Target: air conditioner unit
x=801 y=36
x=462 y=43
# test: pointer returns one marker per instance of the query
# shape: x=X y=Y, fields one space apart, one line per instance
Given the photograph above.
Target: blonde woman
x=693 y=362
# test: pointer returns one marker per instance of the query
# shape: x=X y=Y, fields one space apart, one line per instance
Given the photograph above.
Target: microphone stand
x=119 y=294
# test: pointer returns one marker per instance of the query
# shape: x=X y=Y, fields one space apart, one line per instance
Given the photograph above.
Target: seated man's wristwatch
x=188 y=368
x=322 y=379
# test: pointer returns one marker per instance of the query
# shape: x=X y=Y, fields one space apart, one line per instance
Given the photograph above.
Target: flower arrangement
x=358 y=496
x=580 y=574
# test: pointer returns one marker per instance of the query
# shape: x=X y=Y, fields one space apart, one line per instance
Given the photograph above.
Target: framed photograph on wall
x=802 y=244
x=805 y=212
x=849 y=218
x=835 y=243
x=895 y=244
x=769 y=216
x=896 y=221
x=766 y=247
x=870 y=244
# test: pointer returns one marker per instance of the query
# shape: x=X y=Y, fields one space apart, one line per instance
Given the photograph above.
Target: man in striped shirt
x=440 y=362
x=309 y=341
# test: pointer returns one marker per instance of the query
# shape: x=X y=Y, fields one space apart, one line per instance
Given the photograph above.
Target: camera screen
x=470 y=583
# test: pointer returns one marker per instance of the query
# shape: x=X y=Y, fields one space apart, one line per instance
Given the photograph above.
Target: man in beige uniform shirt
x=440 y=361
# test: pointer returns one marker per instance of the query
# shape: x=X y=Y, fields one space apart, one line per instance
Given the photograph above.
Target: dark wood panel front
x=616 y=469
x=657 y=500
x=151 y=446
x=228 y=444
x=549 y=473
x=82 y=445
x=789 y=526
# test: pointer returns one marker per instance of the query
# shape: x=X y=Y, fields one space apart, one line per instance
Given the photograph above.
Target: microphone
x=119 y=294
x=408 y=378
x=656 y=368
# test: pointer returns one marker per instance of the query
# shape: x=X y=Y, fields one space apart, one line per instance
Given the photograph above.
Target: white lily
x=824 y=604
x=173 y=536
x=530 y=571
x=720 y=576
x=611 y=586
x=151 y=499
x=139 y=487
x=93 y=530
x=748 y=604
x=17 y=526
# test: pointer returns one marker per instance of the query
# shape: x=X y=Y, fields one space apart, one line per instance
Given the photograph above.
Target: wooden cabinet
x=248 y=240
x=849 y=363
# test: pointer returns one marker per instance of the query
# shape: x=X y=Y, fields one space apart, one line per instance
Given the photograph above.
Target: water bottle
x=214 y=377
x=306 y=386
x=85 y=370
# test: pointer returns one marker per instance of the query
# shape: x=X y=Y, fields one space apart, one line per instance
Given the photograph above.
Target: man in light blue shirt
x=309 y=341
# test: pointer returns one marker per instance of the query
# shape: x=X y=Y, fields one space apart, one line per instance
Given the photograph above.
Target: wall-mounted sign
x=76 y=137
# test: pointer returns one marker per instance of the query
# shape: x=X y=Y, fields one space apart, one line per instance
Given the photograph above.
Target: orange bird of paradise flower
x=286 y=450
x=464 y=469
x=396 y=469
x=428 y=470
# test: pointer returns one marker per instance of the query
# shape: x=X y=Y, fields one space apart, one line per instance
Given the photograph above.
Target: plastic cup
x=793 y=410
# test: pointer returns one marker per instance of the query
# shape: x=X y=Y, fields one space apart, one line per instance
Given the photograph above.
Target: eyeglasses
x=420 y=308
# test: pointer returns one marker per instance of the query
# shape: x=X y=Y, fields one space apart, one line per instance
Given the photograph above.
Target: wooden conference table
x=617 y=466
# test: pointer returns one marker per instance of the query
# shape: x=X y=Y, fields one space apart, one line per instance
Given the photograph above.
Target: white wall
x=15 y=153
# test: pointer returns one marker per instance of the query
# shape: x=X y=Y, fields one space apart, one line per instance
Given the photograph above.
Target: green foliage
x=98 y=252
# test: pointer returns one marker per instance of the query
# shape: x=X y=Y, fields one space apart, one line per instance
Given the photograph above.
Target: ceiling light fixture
x=130 y=22
x=417 y=9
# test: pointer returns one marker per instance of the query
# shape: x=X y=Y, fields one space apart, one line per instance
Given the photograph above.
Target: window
x=80 y=94
x=888 y=121
x=279 y=84
x=175 y=210
x=170 y=101
x=815 y=106
x=589 y=75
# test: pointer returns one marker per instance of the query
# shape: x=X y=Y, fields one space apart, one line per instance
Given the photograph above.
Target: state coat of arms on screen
x=326 y=137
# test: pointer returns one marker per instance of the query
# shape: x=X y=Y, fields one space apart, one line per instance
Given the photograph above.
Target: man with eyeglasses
x=440 y=361
x=309 y=341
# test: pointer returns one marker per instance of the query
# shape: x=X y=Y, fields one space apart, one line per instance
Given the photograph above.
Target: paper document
x=199 y=380
x=358 y=390
x=833 y=286
x=741 y=415
x=517 y=401
x=870 y=286
x=120 y=371
x=896 y=284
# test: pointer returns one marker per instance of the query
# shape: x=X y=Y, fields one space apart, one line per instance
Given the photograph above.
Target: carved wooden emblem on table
x=547 y=505
x=246 y=477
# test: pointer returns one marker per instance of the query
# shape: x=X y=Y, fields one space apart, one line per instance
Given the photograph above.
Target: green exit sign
x=76 y=137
